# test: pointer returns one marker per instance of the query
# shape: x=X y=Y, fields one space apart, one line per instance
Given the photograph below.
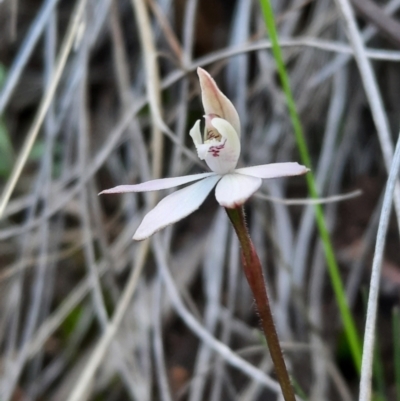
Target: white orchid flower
x=220 y=148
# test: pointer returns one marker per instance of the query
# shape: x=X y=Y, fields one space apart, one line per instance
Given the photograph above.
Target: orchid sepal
x=215 y=102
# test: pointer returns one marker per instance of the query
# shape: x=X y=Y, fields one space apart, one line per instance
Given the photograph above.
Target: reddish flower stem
x=253 y=271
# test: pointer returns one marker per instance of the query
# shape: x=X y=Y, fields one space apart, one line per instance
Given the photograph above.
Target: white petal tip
x=120 y=189
x=137 y=237
x=105 y=192
x=144 y=231
x=202 y=71
x=295 y=168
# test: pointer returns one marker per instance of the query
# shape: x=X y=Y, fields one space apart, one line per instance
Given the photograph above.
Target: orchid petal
x=234 y=189
x=273 y=170
x=221 y=156
x=175 y=207
x=155 y=185
x=201 y=148
x=195 y=133
x=215 y=102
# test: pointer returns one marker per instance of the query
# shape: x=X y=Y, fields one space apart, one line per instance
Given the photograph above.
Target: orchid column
x=219 y=147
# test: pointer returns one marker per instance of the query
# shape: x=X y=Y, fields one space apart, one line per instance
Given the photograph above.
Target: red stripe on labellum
x=215 y=150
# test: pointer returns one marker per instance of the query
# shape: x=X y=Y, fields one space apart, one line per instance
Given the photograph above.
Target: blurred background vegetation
x=87 y=314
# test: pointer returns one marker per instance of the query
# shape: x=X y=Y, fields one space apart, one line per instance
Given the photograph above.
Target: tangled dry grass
x=100 y=93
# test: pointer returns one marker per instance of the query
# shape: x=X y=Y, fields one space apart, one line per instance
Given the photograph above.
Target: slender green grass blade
x=333 y=269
